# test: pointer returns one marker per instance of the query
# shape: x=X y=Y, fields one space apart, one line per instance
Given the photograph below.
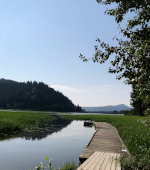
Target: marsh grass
x=14 y=122
x=69 y=166
x=135 y=135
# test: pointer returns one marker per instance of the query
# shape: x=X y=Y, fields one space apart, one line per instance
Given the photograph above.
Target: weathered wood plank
x=101 y=161
x=100 y=156
x=113 y=163
x=92 y=158
x=90 y=161
x=118 y=166
x=109 y=162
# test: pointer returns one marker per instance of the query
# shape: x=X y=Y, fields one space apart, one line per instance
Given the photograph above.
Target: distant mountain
x=108 y=108
x=33 y=96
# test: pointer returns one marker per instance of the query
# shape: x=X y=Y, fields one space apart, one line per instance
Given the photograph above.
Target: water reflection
x=40 y=130
x=43 y=130
x=63 y=145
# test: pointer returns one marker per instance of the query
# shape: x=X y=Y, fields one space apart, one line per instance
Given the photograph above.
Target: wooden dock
x=102 y=161
x=105 y=146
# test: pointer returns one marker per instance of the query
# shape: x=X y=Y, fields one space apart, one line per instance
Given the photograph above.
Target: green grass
x=135 y=135
x=11 y=122
x=69 y=166
x=48 y=166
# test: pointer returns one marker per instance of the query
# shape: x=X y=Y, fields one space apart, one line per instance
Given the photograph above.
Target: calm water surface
x=77 y=113
x=24 y=153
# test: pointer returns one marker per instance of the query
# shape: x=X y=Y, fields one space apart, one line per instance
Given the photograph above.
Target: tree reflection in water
x=43 y=129
x=40 y=130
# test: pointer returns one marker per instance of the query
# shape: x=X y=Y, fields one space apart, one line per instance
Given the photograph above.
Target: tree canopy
x=130 y=58
x=33 y=96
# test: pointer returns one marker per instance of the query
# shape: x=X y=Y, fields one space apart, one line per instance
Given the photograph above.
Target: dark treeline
x=33 y=96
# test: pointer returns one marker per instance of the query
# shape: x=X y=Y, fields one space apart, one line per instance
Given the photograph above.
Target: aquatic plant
x=69 y=166
x=48 y=166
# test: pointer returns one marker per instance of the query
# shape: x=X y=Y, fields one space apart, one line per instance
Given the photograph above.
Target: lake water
x=63 y=113
x=81 y=113
x=63 y=145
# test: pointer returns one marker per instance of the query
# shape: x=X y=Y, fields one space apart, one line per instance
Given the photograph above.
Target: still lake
x=63 y=144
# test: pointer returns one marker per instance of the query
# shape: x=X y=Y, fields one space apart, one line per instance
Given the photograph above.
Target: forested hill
x=33 y=96
x=108 y=108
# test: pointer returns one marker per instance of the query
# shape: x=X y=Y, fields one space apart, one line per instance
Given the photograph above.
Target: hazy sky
x=42 y=39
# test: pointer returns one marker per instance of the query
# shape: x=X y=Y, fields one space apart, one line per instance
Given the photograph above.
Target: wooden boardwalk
x=105 y=139
x=104 y=146
x=101 y=161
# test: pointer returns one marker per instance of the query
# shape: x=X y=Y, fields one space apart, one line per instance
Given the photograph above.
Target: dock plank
x=101 y=161
x=92 y=158
x=99 y=158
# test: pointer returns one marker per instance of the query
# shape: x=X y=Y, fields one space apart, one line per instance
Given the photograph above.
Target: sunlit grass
x=16 y=121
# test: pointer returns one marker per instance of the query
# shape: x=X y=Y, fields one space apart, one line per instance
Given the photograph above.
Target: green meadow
x=13 y=122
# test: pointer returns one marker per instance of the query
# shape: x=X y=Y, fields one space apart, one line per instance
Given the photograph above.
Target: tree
x=33 y=96
x=137 y=104
x=130 y=58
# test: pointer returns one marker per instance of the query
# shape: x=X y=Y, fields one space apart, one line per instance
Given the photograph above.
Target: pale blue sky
x=42 y=39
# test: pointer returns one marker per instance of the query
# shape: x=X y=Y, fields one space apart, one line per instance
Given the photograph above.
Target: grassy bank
x=134 y=133
x=12 y=122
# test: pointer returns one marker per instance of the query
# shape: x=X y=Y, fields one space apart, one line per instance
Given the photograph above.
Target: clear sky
x=41 y=40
